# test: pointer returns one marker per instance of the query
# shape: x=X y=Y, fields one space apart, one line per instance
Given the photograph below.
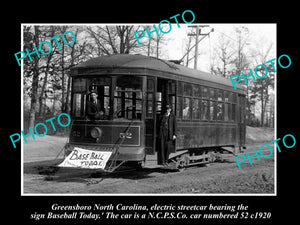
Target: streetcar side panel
x=206 y=135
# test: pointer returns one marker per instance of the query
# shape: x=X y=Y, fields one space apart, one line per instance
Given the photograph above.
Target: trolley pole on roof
x=198 y=32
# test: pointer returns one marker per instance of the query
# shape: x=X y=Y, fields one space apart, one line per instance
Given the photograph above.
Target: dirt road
x=42 y=177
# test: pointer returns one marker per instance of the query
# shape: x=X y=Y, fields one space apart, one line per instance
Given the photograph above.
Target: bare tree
x=260 y=89
x=62 y=64
x=47 y=67
x=241 y=62
x=45 y=76
x=113 y=39
x=225 y=54
x=31 y=42
x=223 y=57
x=152 y=46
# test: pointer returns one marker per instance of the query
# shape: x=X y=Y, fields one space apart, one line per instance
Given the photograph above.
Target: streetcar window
x=150 y=98
x=212 y=94
x=213 y=110
x=187 y=89
x=232 y=106
x=220 y=109
x=78 y=97
x=226 y=96
x=233 y=112
x=171 y=87
x=220 y=105
x=204 y=113
x=186 y=109
x=227 y=106
x=196 y=109
x=213 y=104
x=150 y=85
x=179 y=88
x=79 y=85
x=226 y=111
x=128 y=98
x=158 y=102
x=106 y=101
x=179 y=107
x=77 y=110
x=205 y=92
x=172 y=102
x=234 y=98
x=149 y=105
x=196 y=102
x=171 y=93
x=101 y=85
x=220 y=96
x=204 y=109
x=196 y=91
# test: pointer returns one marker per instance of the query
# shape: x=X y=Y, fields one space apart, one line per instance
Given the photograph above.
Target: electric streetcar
x=132 y=91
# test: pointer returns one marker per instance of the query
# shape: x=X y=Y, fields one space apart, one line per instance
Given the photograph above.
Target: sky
x=177 y=39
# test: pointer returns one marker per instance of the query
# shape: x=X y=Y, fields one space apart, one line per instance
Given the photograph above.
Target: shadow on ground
x=51 y=172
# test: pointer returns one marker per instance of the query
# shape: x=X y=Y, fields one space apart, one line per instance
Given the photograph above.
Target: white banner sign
x=84 y=158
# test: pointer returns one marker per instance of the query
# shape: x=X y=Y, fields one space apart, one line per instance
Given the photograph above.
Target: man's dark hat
x=93 y=91
x=168 y=106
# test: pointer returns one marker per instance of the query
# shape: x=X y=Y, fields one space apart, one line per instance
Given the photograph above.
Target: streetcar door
x=165 y=93
x=150 y=119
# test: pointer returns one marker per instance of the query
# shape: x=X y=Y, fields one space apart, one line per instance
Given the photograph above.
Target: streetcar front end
x=107 y=114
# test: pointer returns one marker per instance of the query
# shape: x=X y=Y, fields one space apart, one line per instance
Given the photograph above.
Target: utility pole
x=197 y=34
x=196 y=48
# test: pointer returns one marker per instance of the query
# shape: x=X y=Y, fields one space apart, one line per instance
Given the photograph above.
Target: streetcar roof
x=143 y=63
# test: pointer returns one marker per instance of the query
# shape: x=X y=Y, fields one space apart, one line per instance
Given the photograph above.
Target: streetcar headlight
x=96 y=132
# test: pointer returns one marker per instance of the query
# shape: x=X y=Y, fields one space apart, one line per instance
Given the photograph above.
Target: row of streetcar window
x=195 y=102
x=127 y=101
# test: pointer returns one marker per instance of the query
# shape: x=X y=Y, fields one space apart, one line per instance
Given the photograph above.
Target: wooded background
x=47 y=85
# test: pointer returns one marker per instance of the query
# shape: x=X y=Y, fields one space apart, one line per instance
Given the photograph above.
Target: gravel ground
x=41 y=176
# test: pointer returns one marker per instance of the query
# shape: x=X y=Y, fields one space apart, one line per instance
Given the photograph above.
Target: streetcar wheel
x=182 y=163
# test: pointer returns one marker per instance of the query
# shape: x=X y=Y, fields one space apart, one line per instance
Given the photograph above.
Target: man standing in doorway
x=166 y=135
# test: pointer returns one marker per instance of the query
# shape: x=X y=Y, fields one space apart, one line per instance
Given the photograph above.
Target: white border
x=22 y=114
x=125 y=194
